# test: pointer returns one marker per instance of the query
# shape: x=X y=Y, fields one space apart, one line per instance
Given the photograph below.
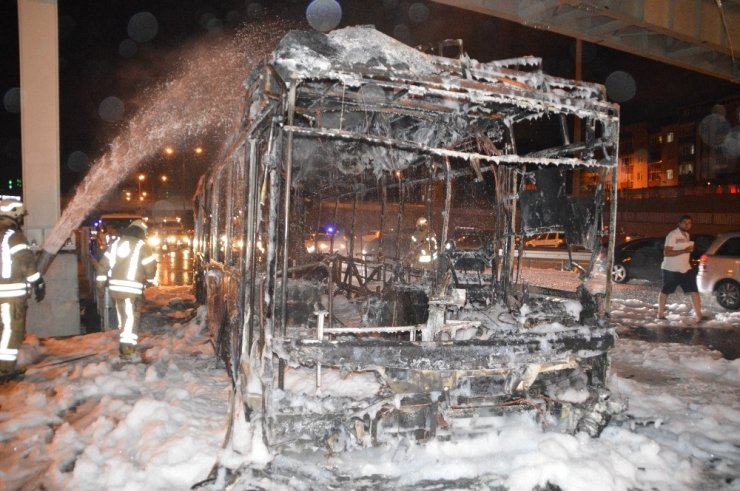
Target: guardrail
x=556 y=254
x=544 y=258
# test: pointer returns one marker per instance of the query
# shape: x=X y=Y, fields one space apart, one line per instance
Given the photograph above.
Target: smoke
x=203 y=98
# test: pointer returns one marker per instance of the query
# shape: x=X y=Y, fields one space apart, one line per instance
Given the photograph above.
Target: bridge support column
x=59 y=313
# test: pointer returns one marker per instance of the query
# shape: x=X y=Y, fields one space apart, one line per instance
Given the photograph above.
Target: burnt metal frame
x=487 y=86
x=503 y=91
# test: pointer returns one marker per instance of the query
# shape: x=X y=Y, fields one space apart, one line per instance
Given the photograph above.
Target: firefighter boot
x=126 y=350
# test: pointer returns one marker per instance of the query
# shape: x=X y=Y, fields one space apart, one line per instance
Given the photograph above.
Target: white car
x=719 y=270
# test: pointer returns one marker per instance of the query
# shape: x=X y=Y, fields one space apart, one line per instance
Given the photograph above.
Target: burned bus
x=359 y=244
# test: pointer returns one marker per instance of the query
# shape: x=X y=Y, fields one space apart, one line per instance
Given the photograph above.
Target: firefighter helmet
x=422 y=223
x=12 y=208
x=140 y=224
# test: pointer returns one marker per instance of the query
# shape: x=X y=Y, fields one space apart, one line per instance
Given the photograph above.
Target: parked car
x=641 y=258
x=620 y=237
x=719 y=270
x=548 y=239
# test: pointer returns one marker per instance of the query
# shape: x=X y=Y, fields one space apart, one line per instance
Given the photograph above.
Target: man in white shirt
x=676 y=267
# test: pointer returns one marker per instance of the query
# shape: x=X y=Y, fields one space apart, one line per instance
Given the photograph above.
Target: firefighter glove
x=39 y=289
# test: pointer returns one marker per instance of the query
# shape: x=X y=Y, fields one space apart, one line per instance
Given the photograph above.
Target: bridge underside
x=698 y=35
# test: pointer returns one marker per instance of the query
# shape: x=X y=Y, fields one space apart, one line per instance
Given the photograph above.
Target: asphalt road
x=175 y=267
x=724 y=340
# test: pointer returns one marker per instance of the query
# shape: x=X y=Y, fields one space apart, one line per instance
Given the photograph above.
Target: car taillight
x=703 y=262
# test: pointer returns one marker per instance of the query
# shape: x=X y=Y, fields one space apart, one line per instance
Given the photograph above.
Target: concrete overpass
x=698 y=35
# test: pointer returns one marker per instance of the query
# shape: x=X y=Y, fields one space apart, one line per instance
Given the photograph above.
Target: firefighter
x=127 y=267
x=423 y=244
x=18 y=276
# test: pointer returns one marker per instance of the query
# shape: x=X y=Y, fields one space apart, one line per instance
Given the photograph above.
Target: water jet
x=201 y=99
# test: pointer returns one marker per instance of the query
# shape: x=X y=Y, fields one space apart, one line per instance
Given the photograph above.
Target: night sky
x=109 y=54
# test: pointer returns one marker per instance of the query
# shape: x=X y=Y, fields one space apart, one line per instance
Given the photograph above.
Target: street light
x=163 y=190
x=141 y=178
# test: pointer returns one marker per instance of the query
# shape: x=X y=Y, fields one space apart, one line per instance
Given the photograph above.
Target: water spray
x=203 y=99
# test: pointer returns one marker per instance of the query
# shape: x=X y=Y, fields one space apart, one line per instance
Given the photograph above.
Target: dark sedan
x=641 y=258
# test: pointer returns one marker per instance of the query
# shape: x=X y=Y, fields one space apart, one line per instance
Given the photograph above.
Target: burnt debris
x=369 y=220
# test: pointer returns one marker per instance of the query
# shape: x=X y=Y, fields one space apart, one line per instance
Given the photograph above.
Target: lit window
x=669 y=173
x=669 y=137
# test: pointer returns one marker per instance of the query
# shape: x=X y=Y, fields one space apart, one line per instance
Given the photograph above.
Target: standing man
x=127 y=267
x=18 y=275
x=676 y=267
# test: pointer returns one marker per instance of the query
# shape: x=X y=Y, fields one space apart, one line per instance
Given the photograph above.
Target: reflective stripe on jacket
x=17 y=264
x=127 y=265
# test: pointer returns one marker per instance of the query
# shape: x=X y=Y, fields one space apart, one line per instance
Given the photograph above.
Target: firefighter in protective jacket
x=126 y=268
x=423 y=250
x=18 y=276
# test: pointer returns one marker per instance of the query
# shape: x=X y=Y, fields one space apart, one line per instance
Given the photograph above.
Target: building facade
x=702 y=147
x=689 y=165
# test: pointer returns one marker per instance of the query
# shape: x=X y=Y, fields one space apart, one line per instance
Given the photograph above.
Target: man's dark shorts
x=673 y=279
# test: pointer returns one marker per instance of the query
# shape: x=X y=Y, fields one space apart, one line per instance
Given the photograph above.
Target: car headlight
x=154 y=241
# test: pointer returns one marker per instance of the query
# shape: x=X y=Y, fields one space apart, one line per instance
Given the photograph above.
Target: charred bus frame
x=356 y=130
